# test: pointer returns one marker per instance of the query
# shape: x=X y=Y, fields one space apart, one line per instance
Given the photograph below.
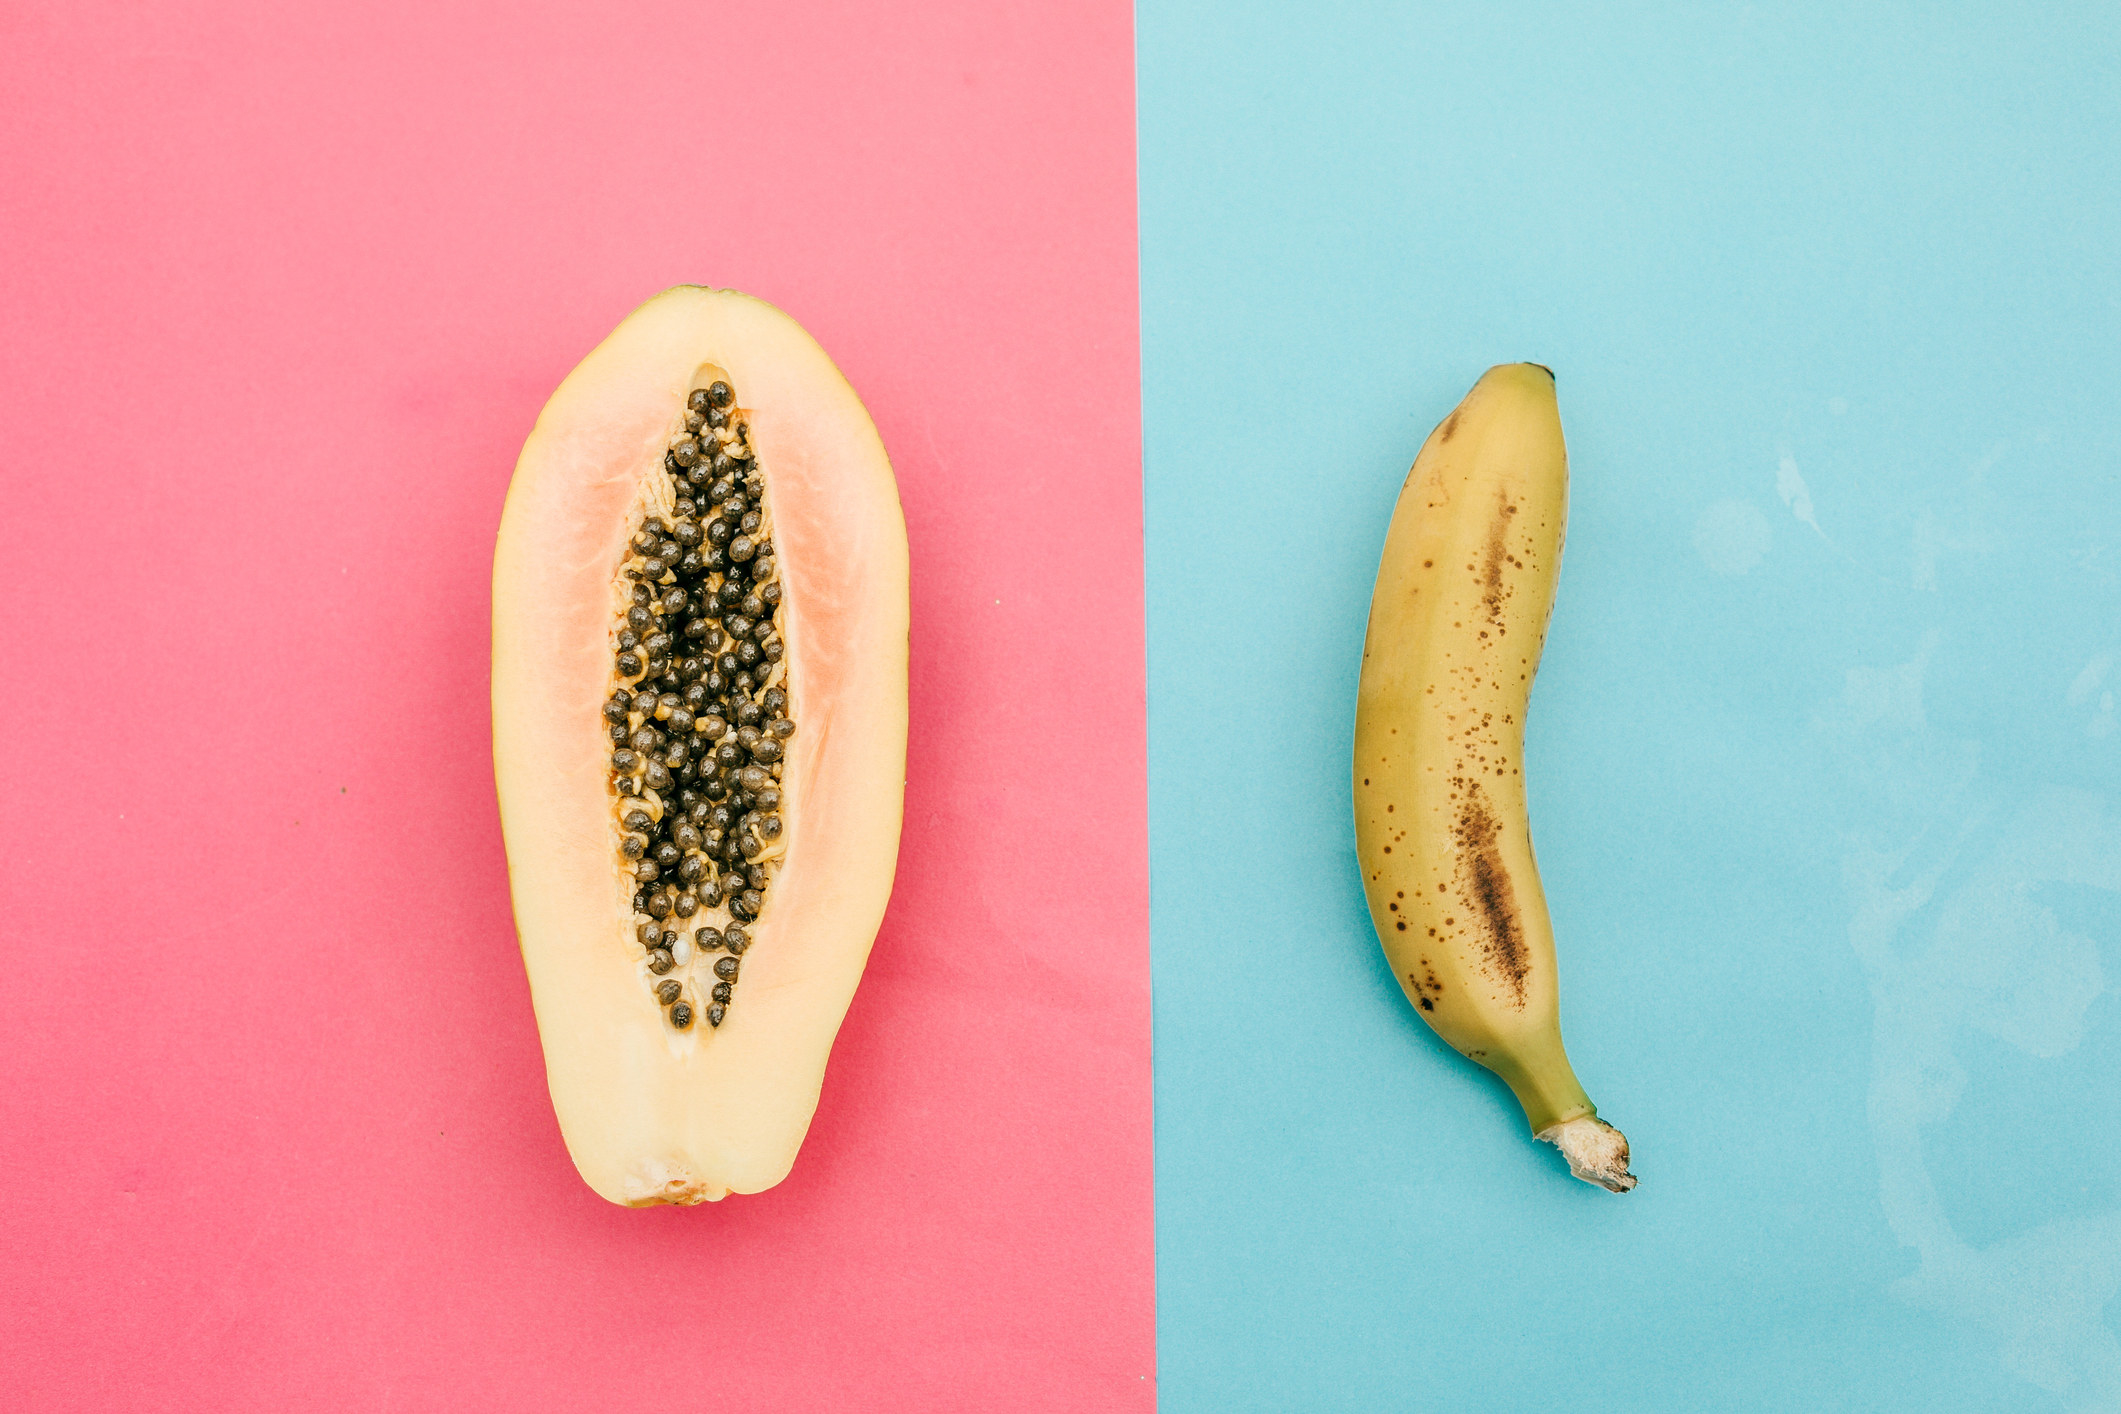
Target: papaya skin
x=652 y=1114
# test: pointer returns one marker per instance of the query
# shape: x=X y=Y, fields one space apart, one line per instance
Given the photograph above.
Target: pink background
x=283 y=295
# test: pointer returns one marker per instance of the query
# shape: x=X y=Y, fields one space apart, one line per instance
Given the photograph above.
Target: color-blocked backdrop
x=285 y=291
x=1824 y=766
x=1822 y=756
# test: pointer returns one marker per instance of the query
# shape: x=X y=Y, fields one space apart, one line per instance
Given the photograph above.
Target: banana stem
x=1597 y=1152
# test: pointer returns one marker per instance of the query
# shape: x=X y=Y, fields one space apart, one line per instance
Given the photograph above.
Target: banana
x=1459 y=616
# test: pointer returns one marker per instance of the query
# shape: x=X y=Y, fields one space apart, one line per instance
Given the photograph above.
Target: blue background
x=1824 y=757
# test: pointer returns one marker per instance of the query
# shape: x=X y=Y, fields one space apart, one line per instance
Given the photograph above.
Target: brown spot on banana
x=1486 y=881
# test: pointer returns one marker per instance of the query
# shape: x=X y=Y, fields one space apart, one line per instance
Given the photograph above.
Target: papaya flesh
x=695 y=895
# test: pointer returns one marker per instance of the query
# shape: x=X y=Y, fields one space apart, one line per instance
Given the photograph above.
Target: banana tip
x=1597 y=1152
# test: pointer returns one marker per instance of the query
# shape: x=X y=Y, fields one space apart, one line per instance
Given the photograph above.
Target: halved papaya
x=699 y=729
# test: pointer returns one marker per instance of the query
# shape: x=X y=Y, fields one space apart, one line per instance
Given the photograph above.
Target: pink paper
x=286 y=286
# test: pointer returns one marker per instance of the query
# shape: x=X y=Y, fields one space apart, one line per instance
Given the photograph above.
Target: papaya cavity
x=700 y=714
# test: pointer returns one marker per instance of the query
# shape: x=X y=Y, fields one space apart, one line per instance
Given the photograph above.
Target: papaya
x=699 y=732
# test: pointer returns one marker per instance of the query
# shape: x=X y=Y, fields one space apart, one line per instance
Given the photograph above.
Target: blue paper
x=1825 y=757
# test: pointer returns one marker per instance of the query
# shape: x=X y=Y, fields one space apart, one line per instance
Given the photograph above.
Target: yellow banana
x=1457 y=622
